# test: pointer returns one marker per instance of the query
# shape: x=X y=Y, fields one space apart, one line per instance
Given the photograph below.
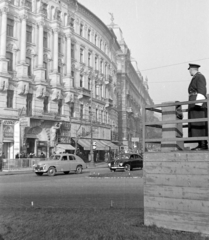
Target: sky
x=163 y=37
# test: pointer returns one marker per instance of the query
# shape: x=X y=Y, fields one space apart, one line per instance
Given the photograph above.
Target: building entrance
x=30 y=143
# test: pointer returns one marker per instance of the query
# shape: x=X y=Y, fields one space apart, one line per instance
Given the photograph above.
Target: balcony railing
x=84 y=93
x=109 y=103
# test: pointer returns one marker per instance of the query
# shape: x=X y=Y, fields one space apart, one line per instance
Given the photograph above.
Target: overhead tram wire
x=175 y=64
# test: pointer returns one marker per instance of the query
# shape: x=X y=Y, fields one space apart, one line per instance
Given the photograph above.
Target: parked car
x=127 y=162
x=63 y=162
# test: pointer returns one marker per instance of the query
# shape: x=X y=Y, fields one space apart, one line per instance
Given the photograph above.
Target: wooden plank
x=196 y=222
x=200 y=168
x=198 y=156
x=200 y=193
x=178 y=205
x=180 y=180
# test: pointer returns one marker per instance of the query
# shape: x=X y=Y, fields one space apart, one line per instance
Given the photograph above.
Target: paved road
x=70 y=191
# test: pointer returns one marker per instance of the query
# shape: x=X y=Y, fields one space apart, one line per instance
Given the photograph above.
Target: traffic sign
x=94 y=145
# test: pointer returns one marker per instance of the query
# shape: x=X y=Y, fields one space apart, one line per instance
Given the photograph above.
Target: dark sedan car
x=127 y=162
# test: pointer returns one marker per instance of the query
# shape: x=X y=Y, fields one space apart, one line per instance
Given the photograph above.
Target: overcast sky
x=163 y=36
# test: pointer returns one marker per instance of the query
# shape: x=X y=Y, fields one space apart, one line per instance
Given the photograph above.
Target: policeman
x=197 y=91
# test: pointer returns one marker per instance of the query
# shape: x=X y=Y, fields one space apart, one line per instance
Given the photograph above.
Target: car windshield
x=54 y=157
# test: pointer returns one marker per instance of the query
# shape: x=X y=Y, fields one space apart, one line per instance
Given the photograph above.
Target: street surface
x=70 y=191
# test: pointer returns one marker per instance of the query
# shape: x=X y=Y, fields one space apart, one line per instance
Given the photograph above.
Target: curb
x=111 y=177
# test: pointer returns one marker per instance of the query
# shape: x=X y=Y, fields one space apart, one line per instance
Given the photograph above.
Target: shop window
x=46 y=104
x=60 y=104
x=10 y=95
x=29 y=100
x=10 y=27
x=29 y=34
x=9 y=57
x=45 y=40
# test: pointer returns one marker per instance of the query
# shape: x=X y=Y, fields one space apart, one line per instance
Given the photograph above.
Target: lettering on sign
x=25 y=121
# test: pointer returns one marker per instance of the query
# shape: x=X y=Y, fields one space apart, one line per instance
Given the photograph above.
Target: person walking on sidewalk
x=197 y=91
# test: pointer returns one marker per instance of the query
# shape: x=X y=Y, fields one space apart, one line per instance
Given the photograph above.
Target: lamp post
x=91 y=127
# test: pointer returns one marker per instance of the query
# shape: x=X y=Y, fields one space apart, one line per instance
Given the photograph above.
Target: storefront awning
x=110 y=144
x=86 y=144
x=63 y=147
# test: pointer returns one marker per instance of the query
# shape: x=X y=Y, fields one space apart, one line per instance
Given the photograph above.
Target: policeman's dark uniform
x=197 y=86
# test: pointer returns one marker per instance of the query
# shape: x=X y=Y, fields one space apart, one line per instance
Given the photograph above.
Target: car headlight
x=43 y=167
x=120 y=164
x=109 y=164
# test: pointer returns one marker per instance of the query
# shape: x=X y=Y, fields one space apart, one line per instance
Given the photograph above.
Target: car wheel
x=51 y=171
x=79 y=169
x=39 y=173
x=127 y=167
x=66 y=172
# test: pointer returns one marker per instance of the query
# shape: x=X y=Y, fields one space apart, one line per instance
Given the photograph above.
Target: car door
x=132 y=161
x=73 y=162
x=138 y=161
x=64 y=163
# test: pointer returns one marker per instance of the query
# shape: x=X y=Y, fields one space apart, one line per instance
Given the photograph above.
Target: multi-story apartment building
x=58 y=64
x=132 y=94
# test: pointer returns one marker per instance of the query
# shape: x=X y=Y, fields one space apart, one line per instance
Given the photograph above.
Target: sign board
x=25 y=121
x=135 y=139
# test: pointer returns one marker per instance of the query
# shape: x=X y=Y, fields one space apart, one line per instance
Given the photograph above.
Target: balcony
x=84 y=93
x=109 y=103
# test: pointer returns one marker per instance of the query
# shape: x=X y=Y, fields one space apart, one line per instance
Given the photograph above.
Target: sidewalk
x=30 y=170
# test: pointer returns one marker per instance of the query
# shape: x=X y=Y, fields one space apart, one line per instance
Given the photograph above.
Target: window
x=10 y=27
x=72 y=79
x=81 y=30
x=89 y=83
x=102 y=112
x=28 y=61
x=46 y=69
x=96 y=114
x=46 y=104
x=81 y=80
x=45 y=40
x=59 y=45
x=9 y=56
x=89 y=34
x=100 y=45
x=96 y=62
x=89 y=59
x=28 y=3
x=60 y=107
x=105 y=70
x=29 y=34
x=95 y=39
x=64 y=158
x=101 y=66
x=81 y=111
x=81 y=55
x=72 y=20
x=29 y=100
x=10 y=94
x=72 y=109
x=89 y=113
x=71 y=158
x=72 y=50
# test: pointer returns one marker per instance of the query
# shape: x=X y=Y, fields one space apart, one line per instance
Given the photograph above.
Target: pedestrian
x=42 y=155
x=197 y=91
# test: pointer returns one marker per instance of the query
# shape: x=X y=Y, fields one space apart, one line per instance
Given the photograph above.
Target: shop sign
x=64 y=139
x=25 y=121
x=135 y=139
x=8 y=131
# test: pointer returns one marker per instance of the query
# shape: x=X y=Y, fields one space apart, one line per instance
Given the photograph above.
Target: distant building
x=132 y=95
x=53 y=56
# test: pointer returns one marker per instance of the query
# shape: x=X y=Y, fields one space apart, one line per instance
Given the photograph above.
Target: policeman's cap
x=191 y=65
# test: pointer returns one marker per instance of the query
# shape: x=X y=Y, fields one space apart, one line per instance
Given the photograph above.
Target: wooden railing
x=159 y=124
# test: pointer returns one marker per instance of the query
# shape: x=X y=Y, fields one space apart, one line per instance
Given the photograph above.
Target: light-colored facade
x=132 y=94
x=55 y=56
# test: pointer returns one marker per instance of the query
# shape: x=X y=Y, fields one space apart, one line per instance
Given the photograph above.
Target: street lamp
x=91 y=127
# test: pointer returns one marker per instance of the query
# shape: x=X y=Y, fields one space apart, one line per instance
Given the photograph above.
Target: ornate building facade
x=58 y=66
x=132 y=96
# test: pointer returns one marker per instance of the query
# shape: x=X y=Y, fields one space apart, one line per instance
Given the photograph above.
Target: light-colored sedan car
x=60 y=163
